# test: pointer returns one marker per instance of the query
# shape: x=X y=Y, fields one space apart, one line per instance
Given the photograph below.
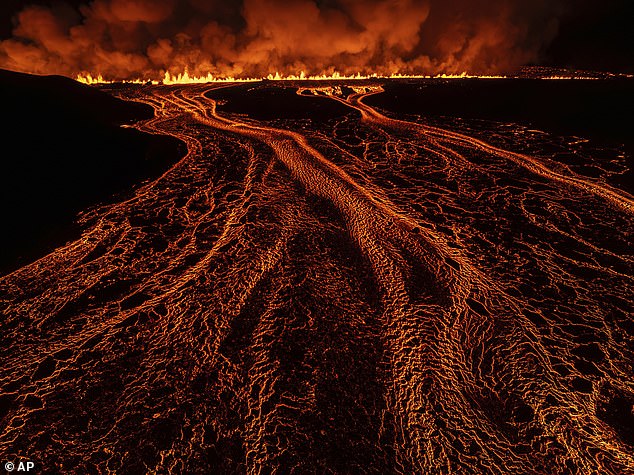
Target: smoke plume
x=126 y=39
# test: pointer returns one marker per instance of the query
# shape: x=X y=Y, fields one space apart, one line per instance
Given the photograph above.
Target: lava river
x=363 y=294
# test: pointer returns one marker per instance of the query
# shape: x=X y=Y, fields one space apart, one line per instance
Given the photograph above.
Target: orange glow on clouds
x=129 y=39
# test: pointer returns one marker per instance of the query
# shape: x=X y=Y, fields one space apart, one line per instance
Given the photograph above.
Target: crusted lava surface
x=331 y=281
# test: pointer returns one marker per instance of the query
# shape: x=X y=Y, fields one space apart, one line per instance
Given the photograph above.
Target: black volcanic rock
x=598 y=109
x=63 y=150
x=274 y=102
x=58 y=96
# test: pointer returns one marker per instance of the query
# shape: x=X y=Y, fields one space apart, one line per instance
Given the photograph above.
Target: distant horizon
x=525 y=72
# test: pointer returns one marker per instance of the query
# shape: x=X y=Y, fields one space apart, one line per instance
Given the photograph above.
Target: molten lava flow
x=615 y=197
x=345 y=293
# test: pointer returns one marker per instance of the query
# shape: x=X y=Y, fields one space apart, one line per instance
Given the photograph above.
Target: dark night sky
x=589 y=34
x=596 y=35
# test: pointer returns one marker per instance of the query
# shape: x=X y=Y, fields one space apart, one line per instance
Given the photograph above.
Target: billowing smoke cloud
x=144 y=38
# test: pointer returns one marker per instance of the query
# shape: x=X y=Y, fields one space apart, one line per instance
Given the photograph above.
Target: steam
x=127 y=39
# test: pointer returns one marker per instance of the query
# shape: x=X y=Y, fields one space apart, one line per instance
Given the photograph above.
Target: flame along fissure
x=186 y=78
